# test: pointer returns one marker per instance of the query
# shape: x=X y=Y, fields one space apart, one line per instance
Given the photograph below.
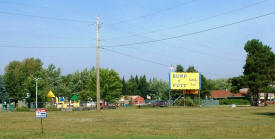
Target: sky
x=129 y=30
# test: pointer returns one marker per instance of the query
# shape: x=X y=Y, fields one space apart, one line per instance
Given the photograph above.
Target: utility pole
x=36 y=89
x=171 y=70
x=97 y=66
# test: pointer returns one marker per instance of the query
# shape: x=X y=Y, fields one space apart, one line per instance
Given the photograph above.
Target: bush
x=77 y=109
x=189 y=102
x=53 y=108
x=22 y=109
x=234 y=101
x=181 y=102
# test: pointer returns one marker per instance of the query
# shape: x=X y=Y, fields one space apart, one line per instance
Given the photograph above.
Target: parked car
x=160 y=103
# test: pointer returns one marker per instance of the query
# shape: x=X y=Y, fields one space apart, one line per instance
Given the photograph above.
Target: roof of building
x=123 y=98
x=226 y=94
x=220 y=94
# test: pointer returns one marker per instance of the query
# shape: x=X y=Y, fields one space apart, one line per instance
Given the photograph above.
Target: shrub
x=53 y=108
x=22 y=109
x=189 y=102
x=181 y=102
x=234 y=101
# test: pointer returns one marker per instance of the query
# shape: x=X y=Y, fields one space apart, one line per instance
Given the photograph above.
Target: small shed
x=137 y=100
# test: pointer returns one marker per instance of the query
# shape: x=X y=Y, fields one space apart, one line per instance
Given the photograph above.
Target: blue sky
x=217 y=53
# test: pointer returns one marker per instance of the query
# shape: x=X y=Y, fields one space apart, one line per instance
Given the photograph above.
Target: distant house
x=270 y=96
x=133 y=100
x=137 y=100
x=222 y=94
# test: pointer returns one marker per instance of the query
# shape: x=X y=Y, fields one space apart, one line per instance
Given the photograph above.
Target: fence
x=74 y=106
x=210 y=102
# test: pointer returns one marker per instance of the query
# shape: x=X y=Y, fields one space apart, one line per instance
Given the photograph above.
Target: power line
x=86 y=47
x=106 y=49
x=192 y=22
x=154 y=13
x=46 y=17
x=19 y=3
x=203 y=19
x=147 y=60
x=194 y=51
x=39 y=47
x=192 y=33
x=187 y=49
x=134 y=57
x=157 y=40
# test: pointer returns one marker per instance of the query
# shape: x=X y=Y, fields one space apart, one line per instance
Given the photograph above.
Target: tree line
x=19 y=83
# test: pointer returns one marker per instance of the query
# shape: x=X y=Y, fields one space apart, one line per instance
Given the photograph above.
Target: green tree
x=158 y=89
x=3 y=94
x=206 y=87
x=179 y=68
x=54 y=81
x=219 y=84
x=237 y=83
x=132 y=86
x=110 y=85
x=18 y=77
x=86 y=95
x=1 y=82
x=259 y=69
x=81 y=83
x=124 y=87
x=191 y=69
x=143 y=86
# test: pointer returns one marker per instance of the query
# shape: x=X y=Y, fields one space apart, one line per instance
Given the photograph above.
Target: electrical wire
x=163 y=39
x=191 y=22
x=106 y=49
x=154 y=13
x=39 y=47
x=149 y=61
x=47 y=17
x=190 y=50
x=192 y=33
x=134 y=57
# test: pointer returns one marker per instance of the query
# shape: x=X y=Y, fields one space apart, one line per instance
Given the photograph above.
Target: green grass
x=149 y=123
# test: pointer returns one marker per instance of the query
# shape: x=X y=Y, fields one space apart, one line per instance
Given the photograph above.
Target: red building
x=134 y=100
x=137 y=100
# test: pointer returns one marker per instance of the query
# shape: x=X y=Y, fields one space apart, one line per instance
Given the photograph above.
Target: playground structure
x=61 y=102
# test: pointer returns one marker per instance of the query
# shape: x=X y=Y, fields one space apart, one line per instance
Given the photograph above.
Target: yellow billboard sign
x=184 y=81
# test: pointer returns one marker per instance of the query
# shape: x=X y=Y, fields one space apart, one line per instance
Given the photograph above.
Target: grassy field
x=147 y=123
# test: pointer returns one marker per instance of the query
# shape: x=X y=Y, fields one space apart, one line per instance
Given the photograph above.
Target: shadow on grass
x=270 y=114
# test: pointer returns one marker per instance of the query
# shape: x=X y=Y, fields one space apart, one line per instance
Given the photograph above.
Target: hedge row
x=234 y=101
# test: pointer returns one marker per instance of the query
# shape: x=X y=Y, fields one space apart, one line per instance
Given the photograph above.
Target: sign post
x=41 y=113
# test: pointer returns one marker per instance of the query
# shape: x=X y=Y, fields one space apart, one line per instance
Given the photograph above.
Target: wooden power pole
x=97 y=66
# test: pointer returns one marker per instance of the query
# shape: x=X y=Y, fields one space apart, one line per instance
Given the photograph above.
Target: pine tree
x=124 y=87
